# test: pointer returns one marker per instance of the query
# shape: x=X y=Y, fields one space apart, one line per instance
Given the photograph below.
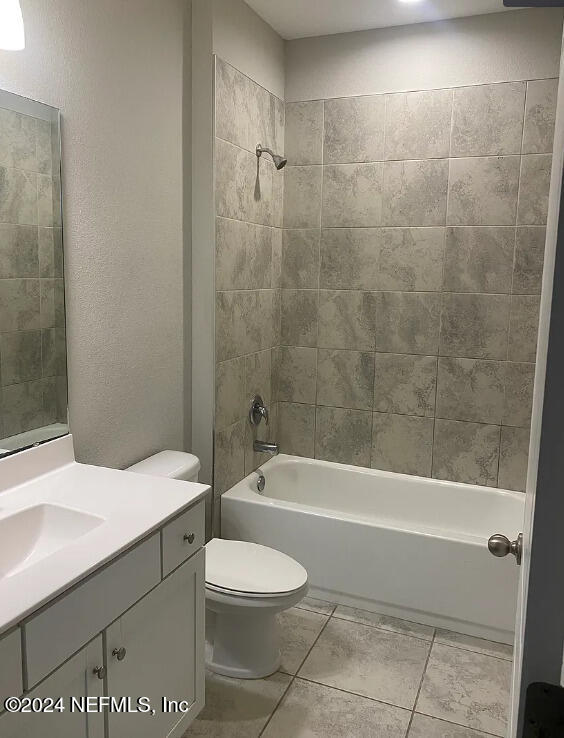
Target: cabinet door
x=162 y=655
x=76 y=678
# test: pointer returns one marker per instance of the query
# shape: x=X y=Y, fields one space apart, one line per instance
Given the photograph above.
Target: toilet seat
x=243 y=569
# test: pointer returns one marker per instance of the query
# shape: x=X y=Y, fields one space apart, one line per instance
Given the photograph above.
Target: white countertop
x=130 y=505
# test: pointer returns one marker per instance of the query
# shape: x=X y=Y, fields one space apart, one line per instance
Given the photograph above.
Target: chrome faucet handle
x=258 y=411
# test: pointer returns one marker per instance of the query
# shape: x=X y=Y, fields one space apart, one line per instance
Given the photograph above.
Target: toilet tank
x=171 y=464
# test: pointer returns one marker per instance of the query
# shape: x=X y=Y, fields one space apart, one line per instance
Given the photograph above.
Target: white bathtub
x=398 y=545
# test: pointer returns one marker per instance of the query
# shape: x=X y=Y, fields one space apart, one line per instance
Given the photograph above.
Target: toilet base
x=242 y=646
x=242 y=634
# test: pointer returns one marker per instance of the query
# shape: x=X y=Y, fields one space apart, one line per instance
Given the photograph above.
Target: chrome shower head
x=279 y=161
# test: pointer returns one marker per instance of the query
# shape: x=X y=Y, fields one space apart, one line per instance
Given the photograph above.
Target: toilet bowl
x=247 y=585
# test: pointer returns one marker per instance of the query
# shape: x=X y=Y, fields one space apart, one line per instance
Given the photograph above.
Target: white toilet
x=246 y=586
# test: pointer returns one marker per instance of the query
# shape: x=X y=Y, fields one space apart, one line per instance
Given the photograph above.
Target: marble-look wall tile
x=347 y=320
x=20 y=357
x=540 y=116
x=44 y=147
x=52 y=303
x=483 y=191
x=519 y=384
x=299 y=318
x=244 y=322
x=46 y=213
x=418 y=125
x=343 y=435
x=534 y=189
x=514 y=459
x=415 y=193
x=258 y=378
x=409 y=259
x=295 y=374
x=296 y=429
x=243 y=255
x=466 y=452
x=407 y=322
x=19 y=304
x=354 y=129
x=277 y=250
x=524 y=328
x=18 y=197
x=302 y=197
x=471 y=389
x=352 y=195
x=229 y=466
x=405 y=384
x=22 y=407
x=53 y=352
x=529 y=260
x=345 y=379
x=50 y=249
x=474 y=326
x=18 y=251
x=245 y=111
x=479 y=259
x=304 y=133
x=488 y=119
x=402 y=443
x=17 y=140
x=300 y=259
x=230 y=399
x=245 y=185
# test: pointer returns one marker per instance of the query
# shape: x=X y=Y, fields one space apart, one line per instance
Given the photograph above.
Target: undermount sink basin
x=28 y=536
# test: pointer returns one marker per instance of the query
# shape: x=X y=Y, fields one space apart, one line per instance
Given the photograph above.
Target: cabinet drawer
x=183 y=537
x=10 y=666
x=63 y=627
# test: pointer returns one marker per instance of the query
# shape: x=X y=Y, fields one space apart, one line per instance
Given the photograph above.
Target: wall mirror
x=33 y=374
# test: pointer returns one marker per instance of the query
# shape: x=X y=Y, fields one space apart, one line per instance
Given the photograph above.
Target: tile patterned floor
x=356 y=674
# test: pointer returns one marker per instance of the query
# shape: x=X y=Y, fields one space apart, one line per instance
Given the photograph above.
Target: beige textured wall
x=114 y=68
x=490 y=48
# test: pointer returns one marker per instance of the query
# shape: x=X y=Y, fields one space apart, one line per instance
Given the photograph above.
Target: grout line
x=294 y=676
x=385 y=630
x=458 y=725
x=421 y=682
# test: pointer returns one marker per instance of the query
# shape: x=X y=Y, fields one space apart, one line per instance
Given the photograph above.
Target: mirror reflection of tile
x=33 y=397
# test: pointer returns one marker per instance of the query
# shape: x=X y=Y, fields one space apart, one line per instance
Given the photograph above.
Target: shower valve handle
x=258 y=411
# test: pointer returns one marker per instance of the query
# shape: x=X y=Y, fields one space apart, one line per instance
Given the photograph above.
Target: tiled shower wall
x=32 y=327
x=249 y=202
x=414 y=228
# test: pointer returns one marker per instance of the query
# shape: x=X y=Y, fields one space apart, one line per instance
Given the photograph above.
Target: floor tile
x=315 y=711
x=299 y=629
x=368 y=661
x=384 y=622
x=466 y=688
x=238 y=708
x=426 y=727
x=320 y=606
x=479 y=645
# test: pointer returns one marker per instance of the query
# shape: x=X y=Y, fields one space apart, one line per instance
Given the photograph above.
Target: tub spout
x=266 y=448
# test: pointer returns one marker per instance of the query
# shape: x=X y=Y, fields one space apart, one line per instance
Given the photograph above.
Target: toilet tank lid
x=172 y=464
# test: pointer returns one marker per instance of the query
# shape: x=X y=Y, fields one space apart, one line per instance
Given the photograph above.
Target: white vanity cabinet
x=77 y=679
x=132 y=629
x=155 y=650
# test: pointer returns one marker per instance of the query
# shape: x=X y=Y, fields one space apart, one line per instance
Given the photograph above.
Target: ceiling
x=300 y=18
